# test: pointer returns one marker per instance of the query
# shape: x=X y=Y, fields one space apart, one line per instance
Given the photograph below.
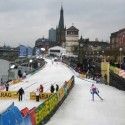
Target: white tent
x=56 y=50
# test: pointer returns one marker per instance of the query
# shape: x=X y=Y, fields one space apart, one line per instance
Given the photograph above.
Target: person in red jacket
x=94 y=90
x=41 y=88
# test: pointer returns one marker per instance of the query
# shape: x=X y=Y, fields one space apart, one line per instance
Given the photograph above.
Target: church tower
x=60 y=30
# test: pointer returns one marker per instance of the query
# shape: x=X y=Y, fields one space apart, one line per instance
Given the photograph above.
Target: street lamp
x=120 y=50
x=30 y=63
x=30 y=60
x=43 y=50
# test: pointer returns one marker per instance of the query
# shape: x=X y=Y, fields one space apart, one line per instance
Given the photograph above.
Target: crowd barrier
x=43 y=95
x=33 y=115
x=15 y=81
x=117 y=81
x=118 y=71
x=50 y=105
x=24 y=111
x=39 y=115
x=8 y=94
x=29 y=116
x=13 y=116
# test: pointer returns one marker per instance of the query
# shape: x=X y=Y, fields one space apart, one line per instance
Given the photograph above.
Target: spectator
x=19 y=73
x=57 y=87
x=7 y=86
x=24 y=75
x=20 y=92
x=1 y=81
x=41 y=88
x=52 y=89
x=37 y=95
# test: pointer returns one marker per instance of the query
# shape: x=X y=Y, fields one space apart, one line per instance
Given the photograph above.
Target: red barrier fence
x=33 y=116
x=24 y=111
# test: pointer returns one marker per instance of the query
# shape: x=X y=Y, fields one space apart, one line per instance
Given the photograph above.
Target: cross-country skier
x=94 y=90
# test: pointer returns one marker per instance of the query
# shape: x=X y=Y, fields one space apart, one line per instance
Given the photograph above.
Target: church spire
x=61 y=20
x=60 y=31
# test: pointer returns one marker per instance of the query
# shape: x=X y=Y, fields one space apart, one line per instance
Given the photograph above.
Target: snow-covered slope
x=77 y=109
x=55 y=73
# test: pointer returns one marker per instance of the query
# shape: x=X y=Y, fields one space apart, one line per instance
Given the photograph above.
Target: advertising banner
x=45 y=108
x=42 y=95
x=105 y=70
x=61 y=93
x=8 y=94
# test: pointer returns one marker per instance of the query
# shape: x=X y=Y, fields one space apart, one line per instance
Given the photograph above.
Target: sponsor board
x=8 y=94
x=42 y=95
x=45 y=108
x=105 y=70
x=61 y=93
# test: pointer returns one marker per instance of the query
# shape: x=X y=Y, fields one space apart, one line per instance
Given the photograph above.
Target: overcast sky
x=23 y=21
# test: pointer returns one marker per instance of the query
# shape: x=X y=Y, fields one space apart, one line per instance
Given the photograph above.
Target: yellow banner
x=8 y=94
x=15 y=81
x=61 y=93
x=105 y=70
x=42 y=95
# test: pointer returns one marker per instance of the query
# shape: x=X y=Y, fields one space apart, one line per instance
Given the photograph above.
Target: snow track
x=77 y=109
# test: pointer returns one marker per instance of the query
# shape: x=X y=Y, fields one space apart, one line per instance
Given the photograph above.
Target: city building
x=52 y=35
x=24 y=51
x=91 y=49
x=117 y=39
x=60 y=30
x=72 y=39
x=42 y=43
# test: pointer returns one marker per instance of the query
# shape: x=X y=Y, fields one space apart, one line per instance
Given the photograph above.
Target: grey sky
x=23 y=21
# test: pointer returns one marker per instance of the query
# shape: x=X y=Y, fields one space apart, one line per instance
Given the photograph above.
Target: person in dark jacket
x=57 y=87
x=7 y=86
x=20 y=92
x=19 y=73
x=52 y=89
